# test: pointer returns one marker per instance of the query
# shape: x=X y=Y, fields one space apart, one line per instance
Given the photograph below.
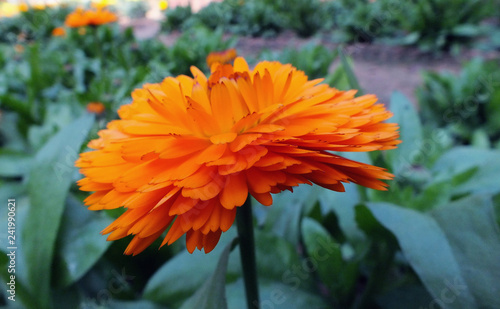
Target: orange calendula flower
x=93 y=17
x=223 y=57
x=188 y=151
x=96 y=107
x=59 y=31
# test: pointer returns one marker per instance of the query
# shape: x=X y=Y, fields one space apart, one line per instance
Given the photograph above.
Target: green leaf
x=212 y=294
x=275 y=257
x=409 y=151
x=342 y=204
x=428 y=251
x=326 y=253
x=12 y=139
x=466 y=30
x=181 y=276
x=351 y=77
x=284 y=215
x=79 y=233
x=480 y=139
x=24 y=297
x=474 y=170
x=407 y=297
x=275 y=295
x=474 y=236
x=14 y=164
x=142 y=304
x=48 y=187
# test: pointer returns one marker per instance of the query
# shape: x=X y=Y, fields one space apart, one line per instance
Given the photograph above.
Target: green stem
x=244 y=220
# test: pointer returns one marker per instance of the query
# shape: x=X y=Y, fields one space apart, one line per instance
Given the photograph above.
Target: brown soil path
x=380 y=69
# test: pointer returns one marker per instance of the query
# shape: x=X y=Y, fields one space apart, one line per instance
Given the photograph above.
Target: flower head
x=188 y=151
x=92 y=17
x=222 y=57
x=59 y=31
x=163 y=5
x=19 y=48
x=23 y=7
x=96 y=108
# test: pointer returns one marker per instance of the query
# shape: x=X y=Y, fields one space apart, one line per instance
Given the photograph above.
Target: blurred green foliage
x=365 y=20
x=441 y=24
x=434 y=233
x=432 y=25
x=32 y=24
x=256 y=18
x=465 y=104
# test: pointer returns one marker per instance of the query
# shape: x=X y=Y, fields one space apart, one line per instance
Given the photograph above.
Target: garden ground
x=380 y=69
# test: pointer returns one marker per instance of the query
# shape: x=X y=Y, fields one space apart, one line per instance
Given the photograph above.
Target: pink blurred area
x=196 y=5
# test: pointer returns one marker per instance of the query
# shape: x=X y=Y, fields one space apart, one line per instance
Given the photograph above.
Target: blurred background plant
x=467 y=105
x=434 y=233
x=441 y=24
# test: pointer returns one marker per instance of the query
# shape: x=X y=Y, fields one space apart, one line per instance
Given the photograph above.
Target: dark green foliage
x=467 y=104
x=440 y=24
x=257 y=17
x=33 y=24
x=314 y=60
x=365 y=21
x=192 y=48
x=176 y=17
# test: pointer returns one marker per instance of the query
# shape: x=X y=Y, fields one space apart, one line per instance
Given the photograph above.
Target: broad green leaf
x=480 y=139
x=459 y=159
x=14 y=164
x=277 y=259
x=467 y=30
x=212 y=294
x=407 y=297
x=327 y=255
x=342 y=204
x=12 y=139
x=79 y=233
x=351 y=77
x=181 y=276
x=410 y=150
x=48 y=187
x=138 y=304
x=338 y=79
x=275 y=295
x=428 y=251
x=474 y=236
x=24 y=297
x=284 y=215
x=477 y=170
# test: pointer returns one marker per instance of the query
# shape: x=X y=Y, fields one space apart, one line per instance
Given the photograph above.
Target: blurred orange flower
x=92 y=17
x=23 y=7
x=163 y=5
x=19 y=48
x=96 y=107
x=223 y=57
x=188 y=151
x=59 y=31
